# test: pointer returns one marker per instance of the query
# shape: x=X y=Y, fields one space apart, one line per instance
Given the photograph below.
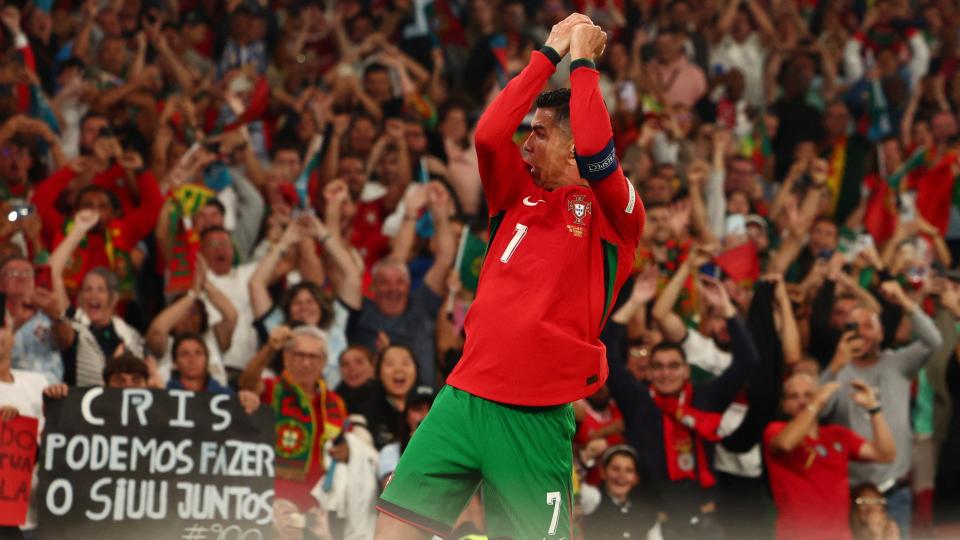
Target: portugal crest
x=579 y=207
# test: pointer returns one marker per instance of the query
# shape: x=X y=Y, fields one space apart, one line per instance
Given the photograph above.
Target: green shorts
x=522 y=455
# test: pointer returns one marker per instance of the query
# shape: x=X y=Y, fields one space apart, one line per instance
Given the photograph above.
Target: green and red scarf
x=117 y=250
x=298 y=423
x=187 y=200
x=684 y=430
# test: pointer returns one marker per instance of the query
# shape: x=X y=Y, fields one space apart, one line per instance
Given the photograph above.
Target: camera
x=20 y=211
x=851 y=327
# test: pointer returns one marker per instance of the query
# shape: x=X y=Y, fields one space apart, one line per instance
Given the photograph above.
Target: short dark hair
x=558 y=101
x=72 y=62
x=213 y=229
x=127 y=363
x=362 y=349
x=653 y=205
x=375 y=67
x=286 y=145
x=217 y=204
x=111 y=196
x=827 y=220
x=668 y=346
x=184 y=337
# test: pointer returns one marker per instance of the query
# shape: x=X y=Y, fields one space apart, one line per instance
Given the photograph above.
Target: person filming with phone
x=890 y=371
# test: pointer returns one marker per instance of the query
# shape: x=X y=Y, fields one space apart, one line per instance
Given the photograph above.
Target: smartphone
x=42 y=277
x=711 y=270
x=736 y=224
x=3 y=308
x=863 y=242
x=825 y=254
x=20 y=211
x=908 y=206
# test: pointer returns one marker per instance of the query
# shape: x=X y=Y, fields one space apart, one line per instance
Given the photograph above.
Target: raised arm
x=624 y=387
x=762 y=20
x=46 y=193
x=670 y=323
x=83 y=222
x=882 y=447
x=342 y=267
x=726 y=18
x=441 y=209
x=223 y=330
x=163 y=323
x=350 y=286
x=744 y=356
x=406 y=238
x=593 y=138
x=141 y=220
x=501 y=166
x=251 y=378
x=697 y=173
x=260 y=300
x=797 y=428
x=789 y=330
x=251 y=208
x=912 y=357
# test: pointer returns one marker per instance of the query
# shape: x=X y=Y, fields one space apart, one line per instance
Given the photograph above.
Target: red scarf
x=684 y=430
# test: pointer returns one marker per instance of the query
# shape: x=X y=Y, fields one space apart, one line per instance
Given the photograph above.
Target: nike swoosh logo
x=528 y=202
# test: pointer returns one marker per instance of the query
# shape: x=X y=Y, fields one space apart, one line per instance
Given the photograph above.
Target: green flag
x=470 y=258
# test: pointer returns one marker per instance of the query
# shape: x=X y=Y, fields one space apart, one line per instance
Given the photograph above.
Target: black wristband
x=874 y=410
x=582 y=62
x=551 y=53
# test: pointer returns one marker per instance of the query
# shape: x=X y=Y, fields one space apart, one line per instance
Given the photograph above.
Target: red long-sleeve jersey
x=556 y=259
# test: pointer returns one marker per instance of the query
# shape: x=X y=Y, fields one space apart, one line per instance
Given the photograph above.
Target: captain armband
x=598 y=166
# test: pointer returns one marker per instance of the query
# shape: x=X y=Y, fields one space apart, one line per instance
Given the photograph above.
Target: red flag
x=881 y=215
x=935 y=192
x=256 y=107
x=18 y=446
x=740 y=263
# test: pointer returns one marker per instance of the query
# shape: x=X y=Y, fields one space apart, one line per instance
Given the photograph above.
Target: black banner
x=117 y=463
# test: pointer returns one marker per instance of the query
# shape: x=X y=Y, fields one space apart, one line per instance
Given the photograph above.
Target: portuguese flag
x=470 y=258
x=740 y=263
x=881 y=217
x=936 y=193
x=848 y=166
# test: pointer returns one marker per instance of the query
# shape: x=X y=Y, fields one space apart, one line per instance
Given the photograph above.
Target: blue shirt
x=34 y=349
x=212 y=387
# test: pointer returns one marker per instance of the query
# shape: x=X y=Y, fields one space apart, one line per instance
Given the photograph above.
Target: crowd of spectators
x=281 y=200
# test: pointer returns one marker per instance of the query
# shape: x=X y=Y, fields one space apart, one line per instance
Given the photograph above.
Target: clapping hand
x=439 y=200
x=85 y=220
x=645 y=286
x=313 y=227
x=716 y=296
x=562 y=33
